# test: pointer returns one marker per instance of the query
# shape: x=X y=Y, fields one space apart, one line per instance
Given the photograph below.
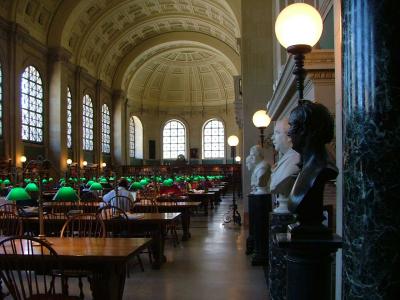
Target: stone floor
x=211 y=265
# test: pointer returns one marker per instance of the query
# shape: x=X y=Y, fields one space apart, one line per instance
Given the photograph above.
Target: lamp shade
x=89 y=183
x=6 y=182
x=18 y=194
x=66 y=193
x=136 y=186
x=144 y=182
x=69 y=161
x=261 y=119
x=233 y=140
x=32 y=187
x=298 y=24
x=103 y=180
x=238 y=159
x=96 y=187
x=22 y=158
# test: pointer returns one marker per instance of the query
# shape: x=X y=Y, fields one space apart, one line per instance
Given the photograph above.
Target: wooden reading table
x=105 y=257
x=183 y=207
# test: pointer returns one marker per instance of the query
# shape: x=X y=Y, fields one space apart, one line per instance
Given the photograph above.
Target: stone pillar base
x=277 y=262
x=309 y=262
x=259 y=224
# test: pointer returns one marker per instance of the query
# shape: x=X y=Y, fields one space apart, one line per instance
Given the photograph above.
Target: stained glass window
x=132 y=135
x=213 y=139
x=69 y=118
x=87 y=123
x=174 y=139
x=105 y=129
x=31 y=105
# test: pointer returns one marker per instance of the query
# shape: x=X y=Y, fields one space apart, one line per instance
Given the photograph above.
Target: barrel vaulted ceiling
x=160 y=52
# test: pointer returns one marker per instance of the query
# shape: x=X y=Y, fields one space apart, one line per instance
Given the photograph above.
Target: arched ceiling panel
x=32 y=15
x=183 y=75
x=100 y=33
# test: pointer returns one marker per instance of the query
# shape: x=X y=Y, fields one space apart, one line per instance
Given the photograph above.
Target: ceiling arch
x=99 y=33
x=133 y=60
x=184 y=75
x=181 y=50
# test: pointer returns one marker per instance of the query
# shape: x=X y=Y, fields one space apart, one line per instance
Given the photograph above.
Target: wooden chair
x=116 y=225
x=122 y=202
x=89 y=206
x=171 y=228
x=82 y=225
x=8 y=207
x=10 y=224
x=148 y=206
x=115 y=221
x=27 y=277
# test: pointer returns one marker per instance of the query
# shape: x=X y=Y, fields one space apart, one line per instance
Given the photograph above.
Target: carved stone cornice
x=319 y=64
x=118 y=94
x=23 y=38
x=59 y=54
x=321 y=75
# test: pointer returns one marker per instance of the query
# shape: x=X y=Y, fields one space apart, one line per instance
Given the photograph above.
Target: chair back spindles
x=83 y=225
x=122 y=202
x=115 y=221
x=25 y=276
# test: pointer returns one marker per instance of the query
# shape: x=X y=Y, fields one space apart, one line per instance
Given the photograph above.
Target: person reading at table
x=121 y=196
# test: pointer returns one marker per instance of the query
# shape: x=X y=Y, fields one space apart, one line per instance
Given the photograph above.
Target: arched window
x=87 y=123
x=132 y=139
x=69 y=118
x=31 y=105
x=174 y=139
x=213 y=139
x=1 y=101
x=135 y=137
x=105 y=129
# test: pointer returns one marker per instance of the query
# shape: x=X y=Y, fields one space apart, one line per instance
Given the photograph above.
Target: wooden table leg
x=108 y=282
x=158 y=247
x=185 y=220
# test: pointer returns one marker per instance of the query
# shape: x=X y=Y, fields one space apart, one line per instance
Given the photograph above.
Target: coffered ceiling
x=169 y=51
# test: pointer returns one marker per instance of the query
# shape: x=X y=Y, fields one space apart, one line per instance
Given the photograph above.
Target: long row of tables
x=107 y=257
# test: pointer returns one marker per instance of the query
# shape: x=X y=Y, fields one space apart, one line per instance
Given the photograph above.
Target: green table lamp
x=96 y=187
x=31 y=187
x=136 y=186
x=66 y=193
x=18 y=194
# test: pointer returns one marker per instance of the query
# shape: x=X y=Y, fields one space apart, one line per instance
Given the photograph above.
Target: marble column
x=278 y=223
x=371 y=144
x=257 y=74
x=120 y=130
x=57 y=65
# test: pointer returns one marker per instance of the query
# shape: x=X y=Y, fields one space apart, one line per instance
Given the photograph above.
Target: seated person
x=113 y=198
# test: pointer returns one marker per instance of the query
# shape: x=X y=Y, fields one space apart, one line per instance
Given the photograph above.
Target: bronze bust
x=311 y=128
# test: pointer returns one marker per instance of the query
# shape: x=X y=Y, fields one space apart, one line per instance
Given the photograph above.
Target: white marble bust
x=284 y=173
x=261 y=171
x=249 y=163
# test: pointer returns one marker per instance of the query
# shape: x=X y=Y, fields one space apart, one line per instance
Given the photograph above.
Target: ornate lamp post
x=261 y=120
x=233 y=141
x=298 y=28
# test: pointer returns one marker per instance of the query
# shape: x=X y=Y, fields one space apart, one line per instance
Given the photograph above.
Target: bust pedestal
x=277 y=262
x=309 y=266
x=257 y=242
